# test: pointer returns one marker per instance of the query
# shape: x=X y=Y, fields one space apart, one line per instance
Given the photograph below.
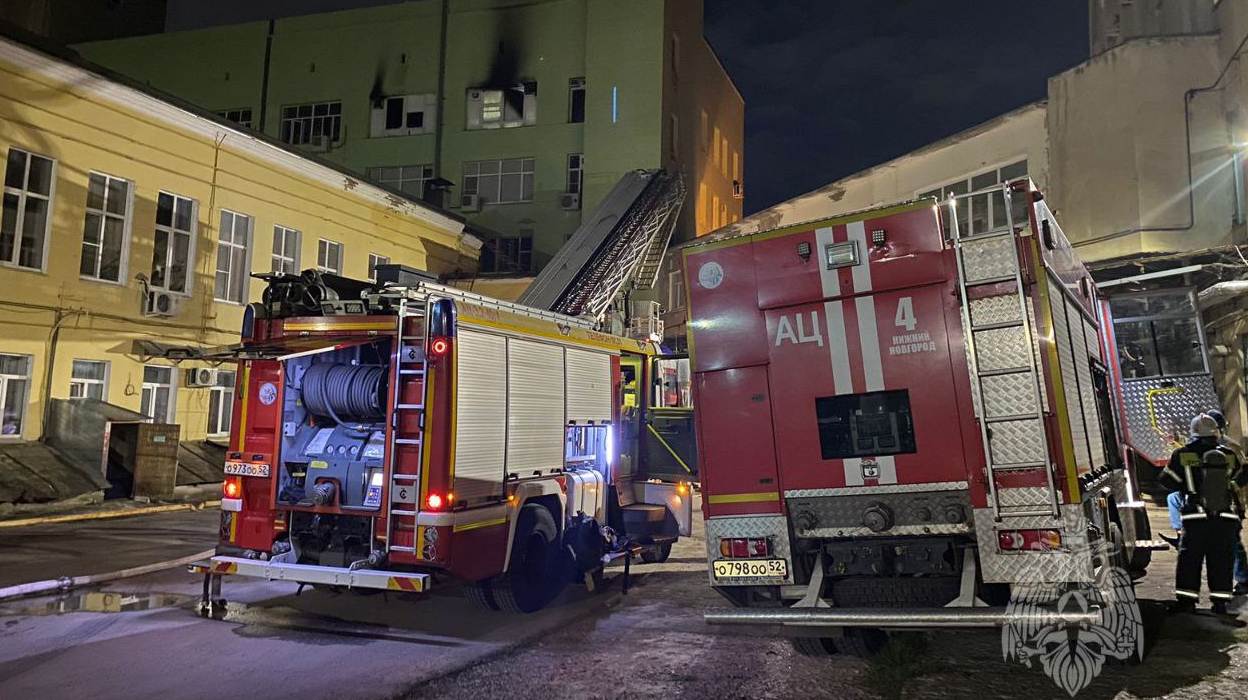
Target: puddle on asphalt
x=95 y=601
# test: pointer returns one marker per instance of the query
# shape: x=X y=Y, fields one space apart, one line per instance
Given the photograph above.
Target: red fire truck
x=390 y=435
x=898 y=420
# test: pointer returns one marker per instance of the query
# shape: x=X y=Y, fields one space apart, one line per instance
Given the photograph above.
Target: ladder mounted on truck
x=1005 y=369
x=622 y=242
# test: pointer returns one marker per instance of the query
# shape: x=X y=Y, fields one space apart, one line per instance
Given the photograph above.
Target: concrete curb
x=107 y=514
x=66 y=583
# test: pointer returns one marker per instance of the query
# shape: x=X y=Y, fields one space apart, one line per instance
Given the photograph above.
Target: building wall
x=88 y=124
x=620 y=49
x=1113 y=22
x=1016 y=136
x=1118 y=128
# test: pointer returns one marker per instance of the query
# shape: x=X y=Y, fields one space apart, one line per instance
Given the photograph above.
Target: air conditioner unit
x=738 y=190
x=570 y=201
x=201 y=377
x=470 y=202
x=160 y=303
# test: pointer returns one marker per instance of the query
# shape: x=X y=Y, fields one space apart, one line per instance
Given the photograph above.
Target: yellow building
x=128 y=217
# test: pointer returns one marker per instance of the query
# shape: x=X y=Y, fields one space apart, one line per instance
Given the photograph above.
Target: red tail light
x=744 y=547
x=232 y=488
x=439 y=347
x=434 y=501
x=1035 y=540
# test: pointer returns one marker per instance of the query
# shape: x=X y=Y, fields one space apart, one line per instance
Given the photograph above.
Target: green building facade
x=530 y=110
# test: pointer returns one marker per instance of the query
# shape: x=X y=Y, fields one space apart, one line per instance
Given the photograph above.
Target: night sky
x=832 y=87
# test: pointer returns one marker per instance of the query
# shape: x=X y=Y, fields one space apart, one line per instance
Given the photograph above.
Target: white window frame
x=298 y=129
x=675 y=288
x=487 y=108
x=408 y=105
x=25 y=400
x=323 y=246
x=575 y=181
x=223 y=396
x=22 y=195
x=278 y=260
x=473 y=179
x=374 y=260
x=104 y=215
x=172 y=232
x=240 y=116
x=82 y=383
x=232 y=274
x=423 y=174
x=966 y=206
x=153 y=387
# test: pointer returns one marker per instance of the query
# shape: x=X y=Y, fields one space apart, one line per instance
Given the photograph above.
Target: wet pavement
x=141 y=638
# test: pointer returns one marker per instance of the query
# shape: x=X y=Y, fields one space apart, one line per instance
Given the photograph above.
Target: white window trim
x=341 y=255
x=173 y=393
x=126 y=222
x=967 y=176
x=224 y=408
x=248 y=247
x=30 y=368
x=190 y=247
x=307 y=141
x=274 y=257
x=500 y=174
x=567 y=175
x=375 y=259
x=375 y=174
x=108 y=369
x=21 y=211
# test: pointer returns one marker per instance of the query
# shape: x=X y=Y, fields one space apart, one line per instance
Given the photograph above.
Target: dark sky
x=835 y=86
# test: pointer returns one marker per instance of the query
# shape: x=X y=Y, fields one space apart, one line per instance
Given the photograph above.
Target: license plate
x=749 y=568
x=244 y=469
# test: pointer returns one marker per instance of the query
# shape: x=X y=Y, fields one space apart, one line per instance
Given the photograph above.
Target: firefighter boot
x=1219 y=560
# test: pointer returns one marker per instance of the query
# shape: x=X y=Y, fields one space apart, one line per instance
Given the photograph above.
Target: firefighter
x=1241 y=556
x=1207 y=474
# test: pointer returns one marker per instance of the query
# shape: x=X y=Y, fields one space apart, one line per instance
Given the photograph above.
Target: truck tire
x=479 y=594
x=657 y=554
x=898 y=592
x=814 y=646
x=532 y=579
x=863 y=642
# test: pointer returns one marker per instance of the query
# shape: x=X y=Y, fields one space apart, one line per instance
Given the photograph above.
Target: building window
x=285 y=250
x=981 y=212
x=715 y=147
x=513 y=255
x=673 y=136
x=1158 y=334
x=315 y=123
x=496 y=109
x=221 y=404
x=500 y=181
x=706 y=131
x=329 y=256
x=736 y=166
x=174 y=239
x=576 y=100
x=576 y=173
x=408 y=179
x=27 y=194
x=157 y=402
x=233 y=270
x=403 y=115
x=703 y=221
x=89 y=380
x=14 y=382
x=104 y=231
x=675 y=287
x=715 y=210
x=373 y=261
x=723 y=158
x=241 y=116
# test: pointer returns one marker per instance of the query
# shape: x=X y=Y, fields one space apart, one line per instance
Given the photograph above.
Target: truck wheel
x=478 y=593
x=657 y=554
x=814 y=646
x=863 y=642
x=533 y=578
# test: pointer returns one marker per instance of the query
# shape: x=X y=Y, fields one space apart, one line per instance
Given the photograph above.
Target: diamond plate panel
x=996 y=309
x=1010 y=395
x=775 y=527
x=987 y=259
x=1175 y=400
x=1072 y=563
x=914 y=513
x=1001 y=348
x=1017 y=441
x=1068 y=364
x=1024 y=498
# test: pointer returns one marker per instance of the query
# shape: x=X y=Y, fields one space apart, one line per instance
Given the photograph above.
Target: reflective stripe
x=1192 y=516
x=829 y=279
x=842 y=378
x=1191 y=483
x=1187 y=594
x=1172 y=474
x=1220 y=595
x=872 y=365
x=756 y=497
x=1229 y=516
x=857 y=231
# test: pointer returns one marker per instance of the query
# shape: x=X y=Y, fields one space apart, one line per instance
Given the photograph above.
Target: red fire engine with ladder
x=390 y=435
x=899 y=421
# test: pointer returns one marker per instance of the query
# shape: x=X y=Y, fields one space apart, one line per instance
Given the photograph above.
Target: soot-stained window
x=865 y=425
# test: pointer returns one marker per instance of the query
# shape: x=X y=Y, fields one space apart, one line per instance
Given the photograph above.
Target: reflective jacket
x=1209 y=486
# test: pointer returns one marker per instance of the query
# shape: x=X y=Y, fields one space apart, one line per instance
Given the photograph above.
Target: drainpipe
x=440 y=109
x=264 y=78
x=59 y=317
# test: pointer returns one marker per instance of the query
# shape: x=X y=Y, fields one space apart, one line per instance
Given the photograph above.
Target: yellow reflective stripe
x=242 y=412
x=331 y=326
x=756 y=497
x=1045 y=312
x=479 y=524
x=668 y=448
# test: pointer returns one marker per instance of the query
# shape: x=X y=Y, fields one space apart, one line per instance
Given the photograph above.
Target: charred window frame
x=1159 y=334
x=876 y=423
x=499 y=108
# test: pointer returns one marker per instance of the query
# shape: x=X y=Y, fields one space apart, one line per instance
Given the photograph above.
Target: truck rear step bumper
x=309 y=573
x=891 y=617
